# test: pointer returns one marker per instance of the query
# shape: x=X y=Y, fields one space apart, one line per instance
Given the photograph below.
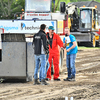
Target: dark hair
x=43 y=26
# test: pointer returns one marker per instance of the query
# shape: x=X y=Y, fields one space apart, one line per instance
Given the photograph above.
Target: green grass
x=82 y=47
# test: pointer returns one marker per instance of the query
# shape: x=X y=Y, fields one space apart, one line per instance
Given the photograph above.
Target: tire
x=80 y=43
x=92 y=43
x=61 y=61
x=98 y=42
x=93 y=40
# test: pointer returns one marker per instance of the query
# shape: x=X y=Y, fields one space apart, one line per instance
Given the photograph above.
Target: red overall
x=54 y=54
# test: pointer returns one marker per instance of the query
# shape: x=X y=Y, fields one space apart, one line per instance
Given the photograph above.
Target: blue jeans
x=40 y=59
x=47 y=67
x=70 y=62
x=47 y=62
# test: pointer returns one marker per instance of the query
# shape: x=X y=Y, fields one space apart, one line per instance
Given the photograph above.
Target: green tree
x=57 y=4
x=18 y=5
x=98 y=0
x=9 y=7
x=6 y=7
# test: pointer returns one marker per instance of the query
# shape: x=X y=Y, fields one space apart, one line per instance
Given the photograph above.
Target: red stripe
x=65 y=24
x=2 y=30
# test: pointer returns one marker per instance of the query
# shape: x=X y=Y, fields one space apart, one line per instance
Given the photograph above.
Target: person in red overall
x=54 y=42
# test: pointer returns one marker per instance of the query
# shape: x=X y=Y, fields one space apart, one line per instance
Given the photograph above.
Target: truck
x=17 y=54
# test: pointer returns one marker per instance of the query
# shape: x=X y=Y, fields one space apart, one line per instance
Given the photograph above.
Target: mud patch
x=86 y=86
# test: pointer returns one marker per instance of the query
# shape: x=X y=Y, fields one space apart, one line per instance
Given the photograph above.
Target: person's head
x=43 y=27
x=51 y=29
x=67 y=31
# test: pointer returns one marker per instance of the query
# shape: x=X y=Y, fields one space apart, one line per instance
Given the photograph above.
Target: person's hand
x=68 y=50
x=66 y=41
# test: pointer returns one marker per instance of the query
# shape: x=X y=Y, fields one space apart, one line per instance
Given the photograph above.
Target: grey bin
x=17 y=58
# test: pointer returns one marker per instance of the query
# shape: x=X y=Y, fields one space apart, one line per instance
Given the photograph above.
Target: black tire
x=92 y=43
x=81 y=43
x=98 y=42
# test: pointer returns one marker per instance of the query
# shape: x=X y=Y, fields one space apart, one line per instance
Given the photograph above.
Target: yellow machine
x=85 y=25
x=89 y=23
x=73 y=17
x=88 y=19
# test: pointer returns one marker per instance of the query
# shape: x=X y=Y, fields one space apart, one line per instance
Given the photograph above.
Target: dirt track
x=86 y=86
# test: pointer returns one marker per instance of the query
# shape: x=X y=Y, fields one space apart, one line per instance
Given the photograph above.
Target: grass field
x=82 y=47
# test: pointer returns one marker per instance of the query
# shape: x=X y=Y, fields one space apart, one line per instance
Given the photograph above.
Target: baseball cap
x=51 y=28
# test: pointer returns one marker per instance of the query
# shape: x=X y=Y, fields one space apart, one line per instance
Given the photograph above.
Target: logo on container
x=26 y=27
x=23 y=26
x=9 y=28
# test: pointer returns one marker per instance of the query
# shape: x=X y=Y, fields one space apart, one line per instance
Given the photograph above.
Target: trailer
x=17 y=53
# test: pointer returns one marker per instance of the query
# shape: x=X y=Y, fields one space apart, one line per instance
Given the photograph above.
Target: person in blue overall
x=71 y=50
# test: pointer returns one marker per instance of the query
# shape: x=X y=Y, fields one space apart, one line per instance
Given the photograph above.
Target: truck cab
x=88 y=19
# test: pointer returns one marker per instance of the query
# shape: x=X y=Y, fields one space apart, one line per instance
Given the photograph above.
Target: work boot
x=73 y=78
x=36 y=82
x=58 y=79
x=47 y=79
x=43 y=82
x=66 y=79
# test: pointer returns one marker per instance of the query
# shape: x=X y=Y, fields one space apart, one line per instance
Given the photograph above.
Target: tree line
x=9 y=8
